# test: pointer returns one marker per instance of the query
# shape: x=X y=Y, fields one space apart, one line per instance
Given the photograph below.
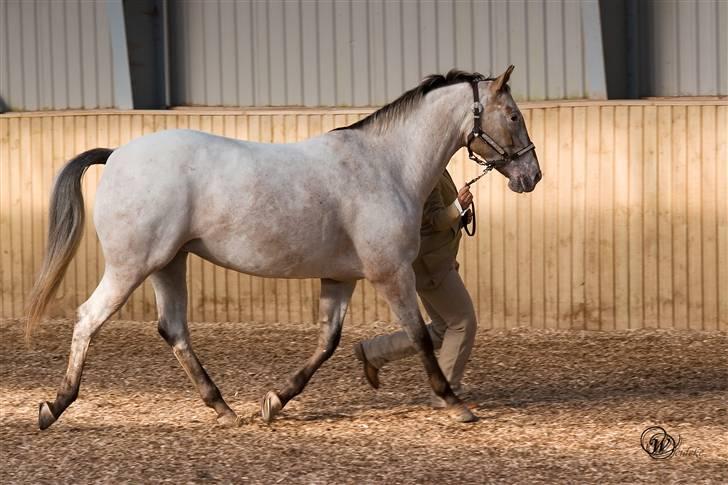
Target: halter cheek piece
x=505 y=157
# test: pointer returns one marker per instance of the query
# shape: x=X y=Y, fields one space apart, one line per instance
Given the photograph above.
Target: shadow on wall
x=3 y=107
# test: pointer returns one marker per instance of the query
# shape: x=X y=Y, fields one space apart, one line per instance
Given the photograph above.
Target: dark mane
x=404 y=104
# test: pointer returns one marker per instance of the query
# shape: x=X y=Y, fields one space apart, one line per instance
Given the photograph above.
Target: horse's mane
x=383 y=117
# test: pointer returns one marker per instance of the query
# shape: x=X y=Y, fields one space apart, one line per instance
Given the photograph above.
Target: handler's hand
x=465 y=197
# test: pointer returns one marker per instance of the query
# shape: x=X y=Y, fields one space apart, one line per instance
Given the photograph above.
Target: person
x=441 y=290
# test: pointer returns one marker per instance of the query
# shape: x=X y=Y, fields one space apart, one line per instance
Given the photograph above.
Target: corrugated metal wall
x=628 y=229
x=367 y=52
x=55 y=55
x=686 y=48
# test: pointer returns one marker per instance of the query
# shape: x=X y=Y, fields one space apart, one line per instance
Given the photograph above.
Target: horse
x=351 y=209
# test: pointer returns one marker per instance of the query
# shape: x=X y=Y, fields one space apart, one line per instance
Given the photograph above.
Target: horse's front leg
x=399 y=290
x=334 y=300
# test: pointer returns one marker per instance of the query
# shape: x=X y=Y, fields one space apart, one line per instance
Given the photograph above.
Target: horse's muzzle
x=524 y=183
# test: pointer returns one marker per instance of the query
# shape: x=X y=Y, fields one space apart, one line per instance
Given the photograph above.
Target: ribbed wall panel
x=367 y=52
x=55 y=55
x=686 y=47
x=628 y=229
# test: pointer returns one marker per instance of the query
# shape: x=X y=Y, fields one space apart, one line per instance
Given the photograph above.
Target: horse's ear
x=502 y=80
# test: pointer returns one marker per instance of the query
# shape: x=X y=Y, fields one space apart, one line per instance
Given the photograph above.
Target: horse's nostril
x=538 y=178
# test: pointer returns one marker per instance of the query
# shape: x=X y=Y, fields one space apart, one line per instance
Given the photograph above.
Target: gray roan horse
x=350 y=208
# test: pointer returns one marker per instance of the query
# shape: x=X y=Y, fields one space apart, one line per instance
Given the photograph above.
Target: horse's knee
x=164 y=332
x=174 y=335
x=332 y=344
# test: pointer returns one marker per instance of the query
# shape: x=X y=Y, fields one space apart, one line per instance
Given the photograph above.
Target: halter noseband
x=478 y=132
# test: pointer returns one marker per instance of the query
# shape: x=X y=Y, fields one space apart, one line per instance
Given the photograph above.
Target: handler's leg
x=334 y=300
x=170 y=289
x=386 y=348
x=399 y=289
x=452 y=331
x=451 y=302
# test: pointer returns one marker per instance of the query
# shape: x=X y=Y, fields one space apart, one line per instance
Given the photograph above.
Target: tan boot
x=370 y=372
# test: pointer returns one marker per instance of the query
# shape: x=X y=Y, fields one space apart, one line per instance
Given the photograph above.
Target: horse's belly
x=283 y=259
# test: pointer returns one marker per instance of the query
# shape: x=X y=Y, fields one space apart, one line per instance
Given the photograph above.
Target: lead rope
x=471 y=227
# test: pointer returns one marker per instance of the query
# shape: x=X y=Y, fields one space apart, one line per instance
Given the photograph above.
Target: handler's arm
x=438 y=215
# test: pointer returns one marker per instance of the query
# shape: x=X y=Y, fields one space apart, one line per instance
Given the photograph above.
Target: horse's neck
x=431 y=135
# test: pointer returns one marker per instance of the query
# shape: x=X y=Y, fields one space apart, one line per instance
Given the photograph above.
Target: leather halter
x=505 y=157
x=478 y=132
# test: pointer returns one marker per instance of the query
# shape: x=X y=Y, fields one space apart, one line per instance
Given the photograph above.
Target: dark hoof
x=461 y=414
x=230 y=420
x=45 y=416
x=370 y=372
x=270 y=406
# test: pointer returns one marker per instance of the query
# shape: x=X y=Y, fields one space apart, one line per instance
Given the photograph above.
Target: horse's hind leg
x=170 y=289
x=334 y=300
x=109 y=295
x=399 y=290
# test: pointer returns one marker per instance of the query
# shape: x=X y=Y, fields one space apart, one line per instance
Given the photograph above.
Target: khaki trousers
x=452 y=330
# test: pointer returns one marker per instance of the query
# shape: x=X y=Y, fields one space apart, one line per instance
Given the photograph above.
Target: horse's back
x=181 y=159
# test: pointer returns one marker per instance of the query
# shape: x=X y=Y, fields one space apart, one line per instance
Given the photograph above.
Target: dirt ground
x=565 y=406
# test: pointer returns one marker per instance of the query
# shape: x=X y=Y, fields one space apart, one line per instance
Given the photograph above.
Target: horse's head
x=504 y=142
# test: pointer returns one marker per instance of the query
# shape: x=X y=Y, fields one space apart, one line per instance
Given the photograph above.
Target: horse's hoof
x=461 y=414
x=229 y=420
x=45 y=415
x=270 y=406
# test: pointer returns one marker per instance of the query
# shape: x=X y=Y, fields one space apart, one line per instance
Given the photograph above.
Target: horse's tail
x=65 y=228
